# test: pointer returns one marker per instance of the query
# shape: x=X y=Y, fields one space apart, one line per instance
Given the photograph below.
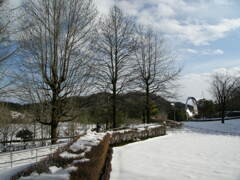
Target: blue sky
x=203 y=34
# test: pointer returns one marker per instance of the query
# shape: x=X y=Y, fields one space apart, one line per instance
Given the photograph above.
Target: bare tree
x=55 y=47
x=155 y=68
x=5 y=123
x=8 y=125
x=114 y=46
x=6 y=46
x=223 y=86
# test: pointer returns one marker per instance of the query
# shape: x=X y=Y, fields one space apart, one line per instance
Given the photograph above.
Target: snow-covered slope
x=186 y=154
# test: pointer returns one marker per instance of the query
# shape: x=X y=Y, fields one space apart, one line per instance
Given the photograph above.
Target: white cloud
x=178 y=19
x=223 y=2
x=197 y=34
x=204 y=51
x=232 y=72
x=103 y=6
x=192 y=51
x=165 y=10
x=187 y=21
x=15 y=3
x=218 y=51
x=212 y=52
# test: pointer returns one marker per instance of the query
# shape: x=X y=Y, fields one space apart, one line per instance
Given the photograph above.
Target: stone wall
x=90 y=156
x=131 y=135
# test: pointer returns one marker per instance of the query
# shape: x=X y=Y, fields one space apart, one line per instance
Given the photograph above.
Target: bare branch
x=114 y=48
x=223 y=87
x=57 y=58
x=155 y=69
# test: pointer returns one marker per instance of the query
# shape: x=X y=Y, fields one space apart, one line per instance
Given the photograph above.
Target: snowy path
x=184 y=155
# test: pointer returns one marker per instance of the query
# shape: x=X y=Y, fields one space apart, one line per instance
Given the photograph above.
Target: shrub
x=25 y=134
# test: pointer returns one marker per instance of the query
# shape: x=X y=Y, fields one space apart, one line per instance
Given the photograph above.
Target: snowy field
x=231 y=127
x=198 y=151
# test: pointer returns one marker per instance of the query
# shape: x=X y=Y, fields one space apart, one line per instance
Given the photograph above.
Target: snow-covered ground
x=198 y=151
x=64 y=130
x=229 y=127
x=85 y=143
x=26 y=156
x=6 y=174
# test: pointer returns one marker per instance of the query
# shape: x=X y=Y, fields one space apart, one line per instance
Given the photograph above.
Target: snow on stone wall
x=90 y=153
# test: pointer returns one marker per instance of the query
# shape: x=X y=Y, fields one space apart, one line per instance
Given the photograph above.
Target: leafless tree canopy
x=55 y=47
x=5 y=123
x=114 y=47
x=6 y=47
x=63 y=52
x=5 y=22
x=223 y=86
x=155 y=68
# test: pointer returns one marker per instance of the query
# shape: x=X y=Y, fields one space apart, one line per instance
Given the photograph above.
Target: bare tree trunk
x=143 y=115
x=54 y=117
x=114 y=113
x=42 y=134
x=54 y=126
x=147 y=105
x=223 y=113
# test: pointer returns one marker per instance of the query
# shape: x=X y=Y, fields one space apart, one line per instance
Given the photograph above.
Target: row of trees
x=66 y=51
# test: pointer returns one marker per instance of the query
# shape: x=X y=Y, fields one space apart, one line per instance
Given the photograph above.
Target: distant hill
x=123 y=100
x=12 y=106
x=179 y=105
x=129 y=105
x=102 y=98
